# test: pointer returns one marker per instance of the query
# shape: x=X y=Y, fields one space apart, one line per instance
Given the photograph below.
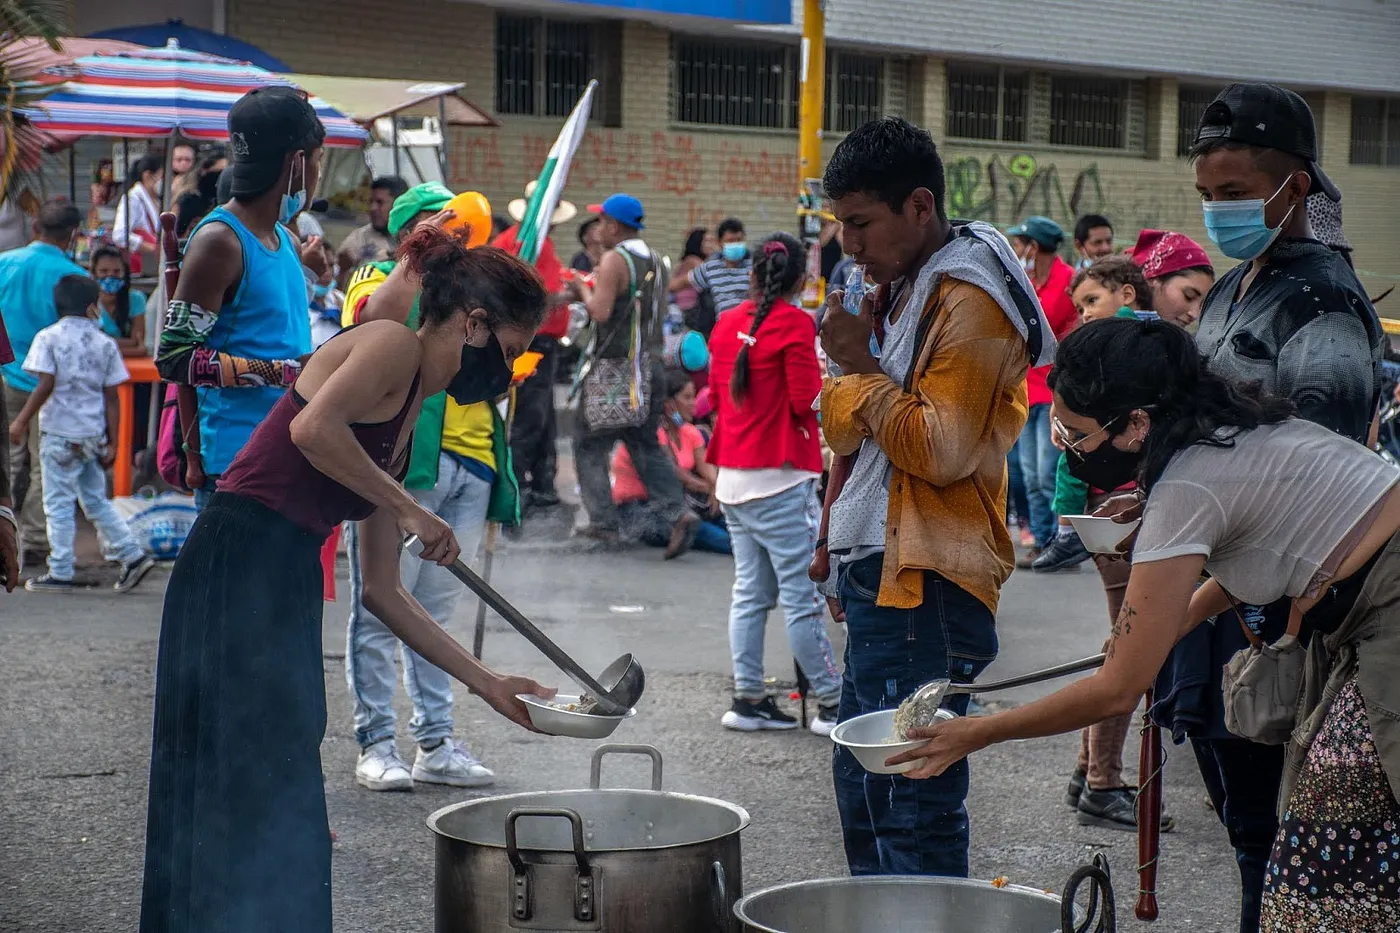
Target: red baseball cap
x=1163 y=252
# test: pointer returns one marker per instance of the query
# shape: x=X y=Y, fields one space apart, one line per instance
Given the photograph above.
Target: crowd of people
x=876 y=458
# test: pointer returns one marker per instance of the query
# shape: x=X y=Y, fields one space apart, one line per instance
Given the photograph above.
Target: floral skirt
x=1335 y=865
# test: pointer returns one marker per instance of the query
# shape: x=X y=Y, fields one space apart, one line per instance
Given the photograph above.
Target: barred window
x=736 y=84
x=542 y=65
x=759 y=84
x=1191 y=104
x=1088 y=112
x=987 y=103
x=855 y=90
x=1375 y=131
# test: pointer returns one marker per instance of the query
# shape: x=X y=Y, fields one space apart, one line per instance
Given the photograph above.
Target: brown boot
x=682 y=535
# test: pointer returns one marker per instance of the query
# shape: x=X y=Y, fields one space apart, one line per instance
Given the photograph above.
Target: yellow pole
x=809 y=133
x=813 y=64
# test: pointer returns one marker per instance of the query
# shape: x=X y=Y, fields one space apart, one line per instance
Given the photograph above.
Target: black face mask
x=484 y=374
x=1105 y=468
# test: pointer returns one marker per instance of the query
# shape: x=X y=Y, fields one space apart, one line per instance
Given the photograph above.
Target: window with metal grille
x=1375 y=131
x=987 y=103
x=1088 y=112
x=542 y=65
x=735 y=84
x=1191 y=104
x=855 y=90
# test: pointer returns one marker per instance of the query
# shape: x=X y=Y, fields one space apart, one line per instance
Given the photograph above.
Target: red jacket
x=1062 y=318
x=556 y=319
x=775 y=426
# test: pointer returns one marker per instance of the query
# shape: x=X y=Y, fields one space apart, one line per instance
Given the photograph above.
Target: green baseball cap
x=1041 y=229
x=430 y=196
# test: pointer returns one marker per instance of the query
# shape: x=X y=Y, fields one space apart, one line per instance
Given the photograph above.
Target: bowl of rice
x=564 y=714
x=872 y=739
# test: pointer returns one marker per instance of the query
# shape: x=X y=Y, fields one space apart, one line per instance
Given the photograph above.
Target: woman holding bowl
x=1270 y=506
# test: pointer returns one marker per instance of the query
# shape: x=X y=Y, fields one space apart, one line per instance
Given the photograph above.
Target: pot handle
x=575 y=821
x=719 y=897
x=1096 y=874
x=595 y=775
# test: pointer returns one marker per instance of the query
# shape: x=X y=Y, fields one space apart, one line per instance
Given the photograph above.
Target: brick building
x=1053 y=108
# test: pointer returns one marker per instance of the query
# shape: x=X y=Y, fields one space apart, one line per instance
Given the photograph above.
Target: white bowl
x=866 y=737
x=1102 y=535
x=551 y=720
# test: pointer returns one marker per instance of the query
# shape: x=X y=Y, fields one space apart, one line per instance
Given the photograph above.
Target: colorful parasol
x=157 y=92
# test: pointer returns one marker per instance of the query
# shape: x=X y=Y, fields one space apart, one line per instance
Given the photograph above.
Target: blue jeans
x=71 y=472
x=773 y=541
x=638 y=521
x=460 y=499
x=203 y=494
x=892 y=825
x=1039 y=458
x=1016 y=503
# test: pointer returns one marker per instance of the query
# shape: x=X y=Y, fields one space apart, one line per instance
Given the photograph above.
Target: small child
x=79 y=368
x=1112 y=287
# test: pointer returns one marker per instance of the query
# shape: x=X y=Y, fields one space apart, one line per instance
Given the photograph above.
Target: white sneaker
x=825 y=721
x=381 y=768
x=453 y=765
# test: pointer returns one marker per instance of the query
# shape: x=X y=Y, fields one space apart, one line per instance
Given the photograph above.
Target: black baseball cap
x=1270 y=117
x=263 y=126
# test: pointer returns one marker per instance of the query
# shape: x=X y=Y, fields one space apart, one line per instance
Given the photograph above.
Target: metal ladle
x=920 y=708
x=624 y=678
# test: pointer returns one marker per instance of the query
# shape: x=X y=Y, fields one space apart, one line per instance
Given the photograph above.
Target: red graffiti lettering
x=762 y=174
x=677 y=165
x=476 y=161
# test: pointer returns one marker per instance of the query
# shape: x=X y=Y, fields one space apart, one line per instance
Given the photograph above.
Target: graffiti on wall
x=1006 y=189
x=659 y=162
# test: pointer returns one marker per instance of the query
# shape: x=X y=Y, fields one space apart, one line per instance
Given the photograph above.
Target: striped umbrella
x=540 y=209
x=158 y=92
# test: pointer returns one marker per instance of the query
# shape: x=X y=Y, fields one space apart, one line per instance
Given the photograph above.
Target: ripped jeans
x=892 y=825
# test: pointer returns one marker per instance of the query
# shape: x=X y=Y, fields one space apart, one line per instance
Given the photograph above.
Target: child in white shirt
x=79 y=368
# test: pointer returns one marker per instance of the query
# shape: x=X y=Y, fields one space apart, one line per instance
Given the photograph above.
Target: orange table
x=139 y=369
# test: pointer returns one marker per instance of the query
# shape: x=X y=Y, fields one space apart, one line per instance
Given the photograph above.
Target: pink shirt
x=627 y=485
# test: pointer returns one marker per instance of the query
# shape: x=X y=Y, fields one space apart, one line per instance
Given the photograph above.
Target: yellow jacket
x=947 y=433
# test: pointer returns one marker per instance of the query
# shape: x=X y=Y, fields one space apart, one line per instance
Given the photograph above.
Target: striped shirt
x=728 y=285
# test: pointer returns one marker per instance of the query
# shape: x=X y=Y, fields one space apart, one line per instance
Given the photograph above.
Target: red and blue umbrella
x=159 y=92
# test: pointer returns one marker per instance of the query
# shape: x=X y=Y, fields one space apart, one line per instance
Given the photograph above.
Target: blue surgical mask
x=734 y=252
x=1239 y=228
x=293 y=204
x=111 y=285
x=319 y=290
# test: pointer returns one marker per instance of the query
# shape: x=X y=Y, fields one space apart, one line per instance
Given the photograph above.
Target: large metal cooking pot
x=904 y=904
x=609 y=859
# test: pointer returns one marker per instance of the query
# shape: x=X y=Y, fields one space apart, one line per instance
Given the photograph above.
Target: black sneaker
x=1114 y=809
x=48 y=583
x=547 y=499
x=1075 y=789
x=133 y=573
x=1064 y=552
x=744 y=716
x=825 y=720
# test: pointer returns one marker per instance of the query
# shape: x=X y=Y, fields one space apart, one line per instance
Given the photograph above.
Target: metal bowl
x=866 y=736
x=551 y=720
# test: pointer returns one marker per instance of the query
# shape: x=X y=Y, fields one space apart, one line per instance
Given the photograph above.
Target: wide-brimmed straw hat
x=563 y=213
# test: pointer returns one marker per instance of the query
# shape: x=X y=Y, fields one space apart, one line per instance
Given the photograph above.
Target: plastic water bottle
x=856 y=289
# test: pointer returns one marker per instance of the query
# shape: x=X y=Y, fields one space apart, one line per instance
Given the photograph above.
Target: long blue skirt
x=236 y=832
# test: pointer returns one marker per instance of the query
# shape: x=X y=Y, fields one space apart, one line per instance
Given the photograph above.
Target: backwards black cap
x=263 y=126
x=1270 y=117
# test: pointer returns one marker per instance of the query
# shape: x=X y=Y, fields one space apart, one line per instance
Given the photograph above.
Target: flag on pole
x=540 y=209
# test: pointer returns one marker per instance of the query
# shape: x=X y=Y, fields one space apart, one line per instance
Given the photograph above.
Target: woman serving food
x=1270 y=506
x=237 y=837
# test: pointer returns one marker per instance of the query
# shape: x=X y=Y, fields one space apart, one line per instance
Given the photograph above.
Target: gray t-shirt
x=858 y=514
x=1267 y=512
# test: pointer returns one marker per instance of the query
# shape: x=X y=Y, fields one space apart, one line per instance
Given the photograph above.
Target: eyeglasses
x=1073 y=440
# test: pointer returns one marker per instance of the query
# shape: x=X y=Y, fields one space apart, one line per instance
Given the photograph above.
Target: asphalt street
x=76 y=676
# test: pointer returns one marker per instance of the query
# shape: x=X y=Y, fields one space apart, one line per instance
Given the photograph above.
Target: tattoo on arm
x=1122 y=625
x=185 y=357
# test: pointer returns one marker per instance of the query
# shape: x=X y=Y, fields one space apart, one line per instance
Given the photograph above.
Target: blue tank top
x=268 y=319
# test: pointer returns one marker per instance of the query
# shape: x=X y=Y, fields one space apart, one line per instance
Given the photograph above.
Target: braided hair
x=779 y=264
x=1108 y=369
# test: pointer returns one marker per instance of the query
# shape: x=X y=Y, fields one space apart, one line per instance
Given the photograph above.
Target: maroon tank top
x=272 y=470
